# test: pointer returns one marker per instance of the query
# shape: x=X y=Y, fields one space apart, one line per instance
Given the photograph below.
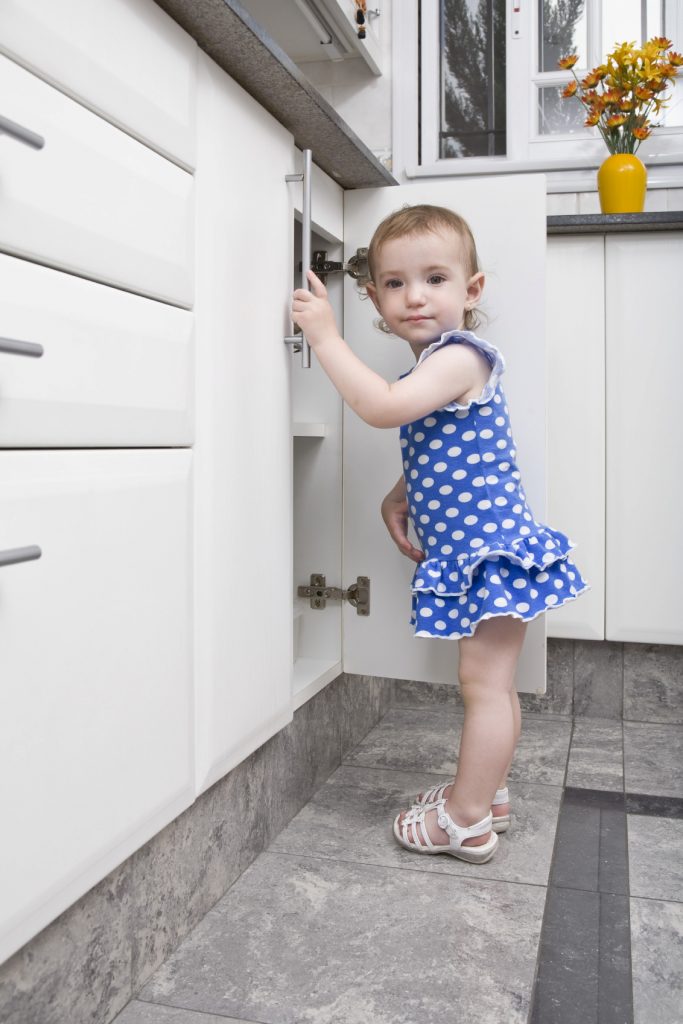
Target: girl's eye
x=436 y=279
x=394 y=283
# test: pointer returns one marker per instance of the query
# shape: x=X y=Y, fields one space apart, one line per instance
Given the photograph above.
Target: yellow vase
x=622 y=179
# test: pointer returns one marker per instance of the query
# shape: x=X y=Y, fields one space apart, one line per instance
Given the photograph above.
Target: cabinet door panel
x=243 y=458
x=508 y=221
x=116 y=370
x=93 y=201
x=576 y=421
x=644 y=439
x=128 y=62
x=95 y=662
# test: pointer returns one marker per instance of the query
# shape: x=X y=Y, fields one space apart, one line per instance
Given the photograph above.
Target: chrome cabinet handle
x=299 y=340
x=21 y=134
x=21 y=348
x=13 y=555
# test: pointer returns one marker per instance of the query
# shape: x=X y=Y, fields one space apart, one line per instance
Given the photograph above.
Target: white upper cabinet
x=124 y=59
x=507 y=217
x=92 y=201
x=83 y=365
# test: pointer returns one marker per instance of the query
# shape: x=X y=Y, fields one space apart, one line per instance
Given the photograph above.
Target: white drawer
x=95 y=662
x=93 y=201
x=127 y=61
x=116 y=369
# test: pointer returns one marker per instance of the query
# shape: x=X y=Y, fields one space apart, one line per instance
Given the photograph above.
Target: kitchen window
x=479 y=89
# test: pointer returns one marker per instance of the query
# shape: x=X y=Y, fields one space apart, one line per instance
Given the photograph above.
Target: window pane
x=472 y=78
x=557 y=116
x=621 y=23
x=564 y=32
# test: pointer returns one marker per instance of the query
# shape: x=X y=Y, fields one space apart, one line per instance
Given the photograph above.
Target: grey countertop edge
x=609 y=223
x=238 y=44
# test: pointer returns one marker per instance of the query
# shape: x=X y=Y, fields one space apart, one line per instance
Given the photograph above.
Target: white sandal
x=456 y=834
x=501 y=823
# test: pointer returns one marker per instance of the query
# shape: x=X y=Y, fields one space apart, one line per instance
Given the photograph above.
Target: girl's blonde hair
x=419 y=220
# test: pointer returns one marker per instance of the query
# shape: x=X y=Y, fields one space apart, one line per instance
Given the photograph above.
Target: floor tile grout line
x=205 y=1013
x=396 y=867
x=389 y=768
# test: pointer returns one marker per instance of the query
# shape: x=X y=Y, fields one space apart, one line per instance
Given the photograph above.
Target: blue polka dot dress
x=485 y=554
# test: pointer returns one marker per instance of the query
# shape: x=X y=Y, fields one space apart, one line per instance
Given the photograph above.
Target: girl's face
x=421 y=287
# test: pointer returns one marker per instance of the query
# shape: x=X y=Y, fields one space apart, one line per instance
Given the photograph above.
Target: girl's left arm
x=444 y=377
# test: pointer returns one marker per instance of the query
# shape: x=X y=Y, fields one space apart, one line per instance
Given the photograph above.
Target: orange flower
x=623 y=92
x=613 y=96
x=568 y=62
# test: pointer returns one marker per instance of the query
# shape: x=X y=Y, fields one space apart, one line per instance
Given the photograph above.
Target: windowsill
x=608 y=223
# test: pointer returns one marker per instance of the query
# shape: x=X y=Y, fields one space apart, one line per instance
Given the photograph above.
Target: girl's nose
x=415 y=295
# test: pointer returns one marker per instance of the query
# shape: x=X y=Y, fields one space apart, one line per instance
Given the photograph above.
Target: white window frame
x=569 y=161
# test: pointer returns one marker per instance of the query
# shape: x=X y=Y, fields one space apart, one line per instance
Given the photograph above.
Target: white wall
x=362 y=99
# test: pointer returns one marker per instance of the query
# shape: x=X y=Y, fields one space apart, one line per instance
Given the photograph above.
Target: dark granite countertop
x=602 y=223
x=238 y=44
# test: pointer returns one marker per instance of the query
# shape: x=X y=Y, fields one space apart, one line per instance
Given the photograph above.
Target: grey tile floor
x=336 y=924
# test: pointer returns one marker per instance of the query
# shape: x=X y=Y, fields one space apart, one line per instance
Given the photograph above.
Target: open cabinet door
x=508 y=218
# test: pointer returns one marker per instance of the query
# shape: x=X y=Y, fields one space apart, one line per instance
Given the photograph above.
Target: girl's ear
x=475 y=287
x=372 y=292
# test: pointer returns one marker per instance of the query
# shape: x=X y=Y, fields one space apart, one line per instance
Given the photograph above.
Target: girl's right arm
x=395 y=516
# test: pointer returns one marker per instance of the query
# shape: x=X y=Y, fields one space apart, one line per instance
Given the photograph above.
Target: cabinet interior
x=316 y=417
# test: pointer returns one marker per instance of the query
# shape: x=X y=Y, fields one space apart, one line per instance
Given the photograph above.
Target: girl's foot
x=431 y=829
x=500 y=808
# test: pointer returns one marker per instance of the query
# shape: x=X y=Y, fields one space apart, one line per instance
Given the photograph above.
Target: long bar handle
x=21 y=348
x=13 y=555
x=21 y=134
x=306 y=177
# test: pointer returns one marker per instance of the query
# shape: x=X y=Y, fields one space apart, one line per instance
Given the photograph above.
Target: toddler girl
x=486 y=567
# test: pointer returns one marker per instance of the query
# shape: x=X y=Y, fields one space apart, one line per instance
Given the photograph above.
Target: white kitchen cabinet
x=115 y=369
x=243 y=464
x=96 y=744
x=575 y=317
x=644 y=438
x=128 y=62
x=93 y=201
x=615 y=431
x=508 y=221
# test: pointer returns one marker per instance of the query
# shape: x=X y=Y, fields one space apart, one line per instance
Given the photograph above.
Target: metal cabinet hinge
x=358 y=594
x=357 y=267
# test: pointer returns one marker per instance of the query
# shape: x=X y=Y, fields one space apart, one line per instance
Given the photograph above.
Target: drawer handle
x=21 y=348
x=13 y=555
x=21 y=134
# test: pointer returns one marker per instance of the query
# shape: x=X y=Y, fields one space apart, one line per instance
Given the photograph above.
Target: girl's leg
x=517 y=716
x=488 y=661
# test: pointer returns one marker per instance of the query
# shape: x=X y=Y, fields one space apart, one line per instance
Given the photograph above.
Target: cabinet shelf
x=309 y=430
x=309 y=675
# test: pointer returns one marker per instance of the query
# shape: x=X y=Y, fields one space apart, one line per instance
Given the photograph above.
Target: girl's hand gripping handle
x=312 y=312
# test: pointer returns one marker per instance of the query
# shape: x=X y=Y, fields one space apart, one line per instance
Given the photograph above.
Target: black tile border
x=655 y=806
x=583 y=970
